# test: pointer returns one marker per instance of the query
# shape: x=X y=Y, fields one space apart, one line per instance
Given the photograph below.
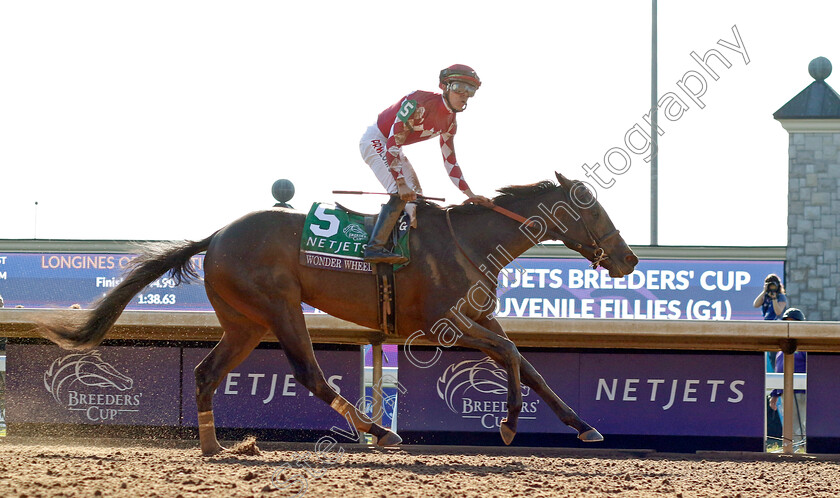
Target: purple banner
x=529 y=287
x=692 y=394
x=108 y=385
x=466 y=391
x=658 y=289
x=823 y=396
x=261 y=393
x=389 y=355
x=624 y=393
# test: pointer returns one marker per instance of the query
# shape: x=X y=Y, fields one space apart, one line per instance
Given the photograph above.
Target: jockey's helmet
x=459 y=72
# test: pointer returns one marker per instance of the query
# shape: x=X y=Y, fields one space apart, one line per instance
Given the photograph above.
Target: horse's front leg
x=532 y=378
x=503 y=351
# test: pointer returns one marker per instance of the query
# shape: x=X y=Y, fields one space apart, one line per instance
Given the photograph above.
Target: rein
x=599 y=254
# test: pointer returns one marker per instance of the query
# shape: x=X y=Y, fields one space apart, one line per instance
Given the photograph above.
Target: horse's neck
x=491 y=237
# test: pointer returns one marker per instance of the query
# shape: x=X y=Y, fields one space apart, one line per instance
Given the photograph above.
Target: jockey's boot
x=375 y=252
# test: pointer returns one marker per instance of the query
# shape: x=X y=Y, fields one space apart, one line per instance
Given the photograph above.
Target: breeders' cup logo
x=461 y=383
x=355 y=232
x=76 y=381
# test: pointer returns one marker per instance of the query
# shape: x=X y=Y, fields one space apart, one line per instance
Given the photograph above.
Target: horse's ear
x=564 y=182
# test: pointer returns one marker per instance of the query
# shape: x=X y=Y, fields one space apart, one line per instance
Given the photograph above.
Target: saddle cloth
x=334 y=238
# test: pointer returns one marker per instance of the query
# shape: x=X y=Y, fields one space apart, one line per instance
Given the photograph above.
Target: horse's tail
x=155 y=260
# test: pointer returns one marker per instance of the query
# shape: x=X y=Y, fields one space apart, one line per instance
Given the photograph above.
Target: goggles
x=462 y=88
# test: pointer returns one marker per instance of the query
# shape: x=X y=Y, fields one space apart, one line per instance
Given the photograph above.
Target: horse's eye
x=583 y=195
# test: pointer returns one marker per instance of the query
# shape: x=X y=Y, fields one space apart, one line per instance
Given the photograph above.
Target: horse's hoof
x=591 y=436
x=389 y=439
x=507 y=432
x=213 y=450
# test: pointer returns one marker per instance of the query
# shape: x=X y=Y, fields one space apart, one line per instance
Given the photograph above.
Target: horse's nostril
x=631 y=259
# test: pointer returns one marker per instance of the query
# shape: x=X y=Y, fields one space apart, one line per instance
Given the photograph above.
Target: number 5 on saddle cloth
x=334 y=237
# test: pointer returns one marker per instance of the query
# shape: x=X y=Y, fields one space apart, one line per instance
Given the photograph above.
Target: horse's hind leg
x=241 y=336
x=532 y=378
x=289 y=326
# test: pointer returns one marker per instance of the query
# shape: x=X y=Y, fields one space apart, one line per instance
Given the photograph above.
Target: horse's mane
x=506 y=196
x=524 y=191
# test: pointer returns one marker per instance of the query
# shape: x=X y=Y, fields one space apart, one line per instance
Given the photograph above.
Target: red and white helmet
x=459 y=72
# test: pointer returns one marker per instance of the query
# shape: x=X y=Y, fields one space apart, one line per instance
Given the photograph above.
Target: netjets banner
x=823 y=424
x=467 y=392
x=146 y=386
x=635 y=393
x=107 y=385
x=262 y=393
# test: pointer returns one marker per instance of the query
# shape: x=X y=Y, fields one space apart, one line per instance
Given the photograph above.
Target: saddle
x=369 y=219
x=333 y=238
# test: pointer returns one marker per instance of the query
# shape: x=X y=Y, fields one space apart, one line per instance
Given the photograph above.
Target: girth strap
x=385 y=291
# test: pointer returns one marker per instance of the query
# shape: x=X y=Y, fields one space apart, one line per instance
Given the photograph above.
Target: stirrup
x=382 y=255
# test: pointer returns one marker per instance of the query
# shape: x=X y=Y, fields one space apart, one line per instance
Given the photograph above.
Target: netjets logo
x=461 y=383
x=355 y=232
x=77 y=381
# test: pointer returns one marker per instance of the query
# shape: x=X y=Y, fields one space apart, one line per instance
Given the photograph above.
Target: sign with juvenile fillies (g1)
x=658 y=289
x=109 y=385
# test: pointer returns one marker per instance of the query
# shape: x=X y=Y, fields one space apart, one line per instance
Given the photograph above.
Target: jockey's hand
x=480 y=200
x=406 y=193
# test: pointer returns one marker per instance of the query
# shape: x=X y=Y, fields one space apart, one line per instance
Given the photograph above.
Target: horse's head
x=570 y=213
x=591 y=233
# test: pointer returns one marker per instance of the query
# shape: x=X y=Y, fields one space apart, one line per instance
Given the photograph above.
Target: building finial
x=819 y=68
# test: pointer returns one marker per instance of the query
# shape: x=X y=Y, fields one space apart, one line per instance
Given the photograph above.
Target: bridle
x=596 y=243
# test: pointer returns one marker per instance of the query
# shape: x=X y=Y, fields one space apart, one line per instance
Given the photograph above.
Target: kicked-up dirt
x=113 y=467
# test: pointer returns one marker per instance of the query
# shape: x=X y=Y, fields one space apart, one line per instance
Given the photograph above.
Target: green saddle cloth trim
x=335 y=239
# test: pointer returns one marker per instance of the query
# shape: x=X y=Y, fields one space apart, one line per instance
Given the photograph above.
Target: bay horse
x=255 y=283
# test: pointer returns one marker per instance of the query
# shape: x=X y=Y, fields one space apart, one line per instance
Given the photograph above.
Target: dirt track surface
x=168 y=468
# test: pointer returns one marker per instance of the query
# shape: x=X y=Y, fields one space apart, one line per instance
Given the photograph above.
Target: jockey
x=416 y=117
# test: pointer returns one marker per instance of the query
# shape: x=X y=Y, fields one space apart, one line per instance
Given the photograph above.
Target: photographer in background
x=772 y=300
